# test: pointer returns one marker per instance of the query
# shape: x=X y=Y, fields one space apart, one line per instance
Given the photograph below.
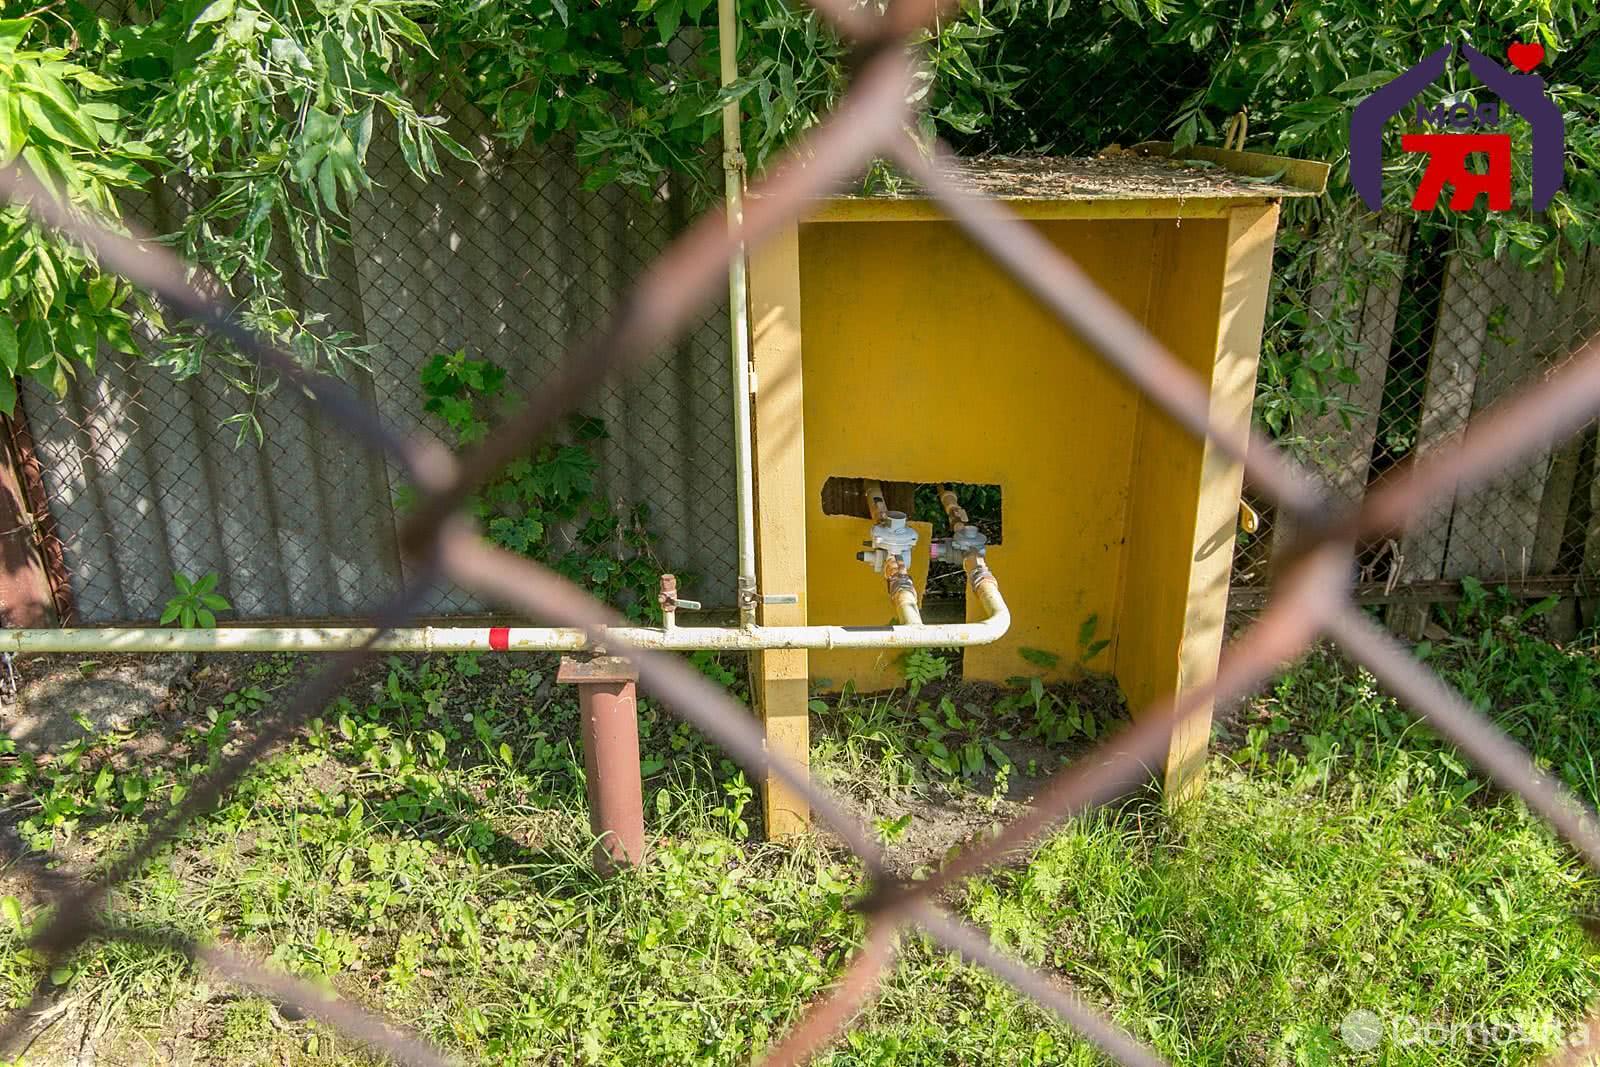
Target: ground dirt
x=949 y=814
x=106 y=690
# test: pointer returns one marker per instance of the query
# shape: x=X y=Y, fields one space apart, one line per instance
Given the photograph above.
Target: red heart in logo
x=1525 y=56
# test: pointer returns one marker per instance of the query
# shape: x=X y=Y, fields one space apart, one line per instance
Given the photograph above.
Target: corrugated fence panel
x=510 y=261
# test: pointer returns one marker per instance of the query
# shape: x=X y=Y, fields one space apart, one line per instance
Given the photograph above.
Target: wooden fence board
x=1591 y=543
x=1493 y=529
x=1344 y=453
x=1447 y=400
x=1516 y=525
x=1574 y=319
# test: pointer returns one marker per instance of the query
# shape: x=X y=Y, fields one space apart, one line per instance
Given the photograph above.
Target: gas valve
x=957 y=545
x=890 y=537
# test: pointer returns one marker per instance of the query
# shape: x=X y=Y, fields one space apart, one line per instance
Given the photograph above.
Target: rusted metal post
x=34 y=589
x=609 y=707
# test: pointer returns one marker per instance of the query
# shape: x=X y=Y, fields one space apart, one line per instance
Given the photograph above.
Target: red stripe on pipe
x=499 y=638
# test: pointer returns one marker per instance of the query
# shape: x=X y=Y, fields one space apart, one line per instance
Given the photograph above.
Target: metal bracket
x=780 y=598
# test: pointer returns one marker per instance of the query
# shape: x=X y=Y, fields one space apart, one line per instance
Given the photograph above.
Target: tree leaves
x=12 y=31
x=43 y=107
x=8 y=347
x=216 y=11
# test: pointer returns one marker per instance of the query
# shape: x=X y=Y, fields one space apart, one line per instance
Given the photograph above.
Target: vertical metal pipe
x=877 y=506
x=902 y=592
x=668 y=599
x=609 y=709
x=738 y=317
x=953 y=509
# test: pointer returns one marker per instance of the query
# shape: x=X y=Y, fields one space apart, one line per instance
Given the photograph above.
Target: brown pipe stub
x=609 y=711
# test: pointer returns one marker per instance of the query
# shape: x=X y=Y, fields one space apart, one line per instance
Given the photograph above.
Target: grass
x=425 y=850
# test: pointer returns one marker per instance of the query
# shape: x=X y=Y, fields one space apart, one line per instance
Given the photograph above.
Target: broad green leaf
x=327 y=187
x=94 y=82
x=286 y=52
x=119 y=335
x=451 y=145
x=102 y=290
x=11 y=909
x=215 y=12
x=34 y=342
x=52 y=374
x=12 y=31
x=1365 y=81
x=1188 y=131
x=12 y=131
x=48 y=116
x=8 y=393
x=667 y=15
x=8 y=347
x=363 y=139
x=408 y=29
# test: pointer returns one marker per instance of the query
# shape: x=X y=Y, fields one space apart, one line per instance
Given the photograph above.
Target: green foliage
x=949 y=738
x=259 y=113
x=711 y=665
x=59 y=122
x=1320 y=280
x=1089 y=645
x=955 y=743
x=636 y=85
x=1324 y=719
x=397 y=845
x=921 y=666
x=262 y=113
x=196 y=600
x=546 y=506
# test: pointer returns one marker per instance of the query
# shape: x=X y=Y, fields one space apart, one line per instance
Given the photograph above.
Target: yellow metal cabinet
x=888 y=347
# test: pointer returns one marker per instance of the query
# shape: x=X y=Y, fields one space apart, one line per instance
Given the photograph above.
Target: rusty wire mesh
x=1311 y=597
